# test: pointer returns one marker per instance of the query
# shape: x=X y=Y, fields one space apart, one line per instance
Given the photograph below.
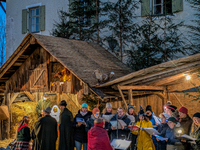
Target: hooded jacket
x=144 y=139
x=98 y=139
x=80 y=134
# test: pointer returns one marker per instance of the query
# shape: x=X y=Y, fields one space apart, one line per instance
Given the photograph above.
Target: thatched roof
x=162 y=74
x=80 y=57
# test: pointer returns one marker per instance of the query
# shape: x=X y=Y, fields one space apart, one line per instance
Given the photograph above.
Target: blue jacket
x=171 y=135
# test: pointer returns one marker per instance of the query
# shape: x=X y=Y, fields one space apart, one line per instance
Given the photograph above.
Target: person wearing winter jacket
x=186 y=123
x=150 y=115
x=162 y=128
x=98 y=137
x=172 y=142
x=172 y=111
x=131 y=111
x=90 y=121
x=107 y=111
x=195 y=132
x=124 y=131
x=144 y=141
x=80 y=135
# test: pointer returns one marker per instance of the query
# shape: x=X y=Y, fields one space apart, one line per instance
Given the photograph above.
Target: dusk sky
x=2 y=14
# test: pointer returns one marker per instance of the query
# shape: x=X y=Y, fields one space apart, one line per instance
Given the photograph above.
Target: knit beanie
x=183 y=110
x=131 y=106
x=148 y=108
x=197 y=115
x=95 y=110
x=84 y=105
x=108 y=105
x=141 y=112
x=172 y=119
x=172 y=108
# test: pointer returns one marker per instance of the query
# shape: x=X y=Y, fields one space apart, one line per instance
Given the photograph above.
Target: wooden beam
x=122 y=95
x=71 y=101
x=29 y=95
x=142 y=87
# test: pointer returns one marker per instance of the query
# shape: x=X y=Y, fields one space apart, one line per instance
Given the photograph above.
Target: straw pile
x=19 y=110
x=4 y=143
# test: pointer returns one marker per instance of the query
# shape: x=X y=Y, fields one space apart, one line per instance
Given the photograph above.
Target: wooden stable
x=61 y=67
x=158 y=84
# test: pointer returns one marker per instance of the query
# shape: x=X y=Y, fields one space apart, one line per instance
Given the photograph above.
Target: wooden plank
x=122 y=95
x=29 y=95
x=68 y=89
x=71 y=101
x=142 y=87
x=86 y=89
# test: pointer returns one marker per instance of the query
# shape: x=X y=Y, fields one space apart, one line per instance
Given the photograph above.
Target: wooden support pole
x=122 y=95
x=58 y=98
x=130 y=97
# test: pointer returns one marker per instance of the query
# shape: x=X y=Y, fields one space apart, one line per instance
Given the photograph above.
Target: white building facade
x=38 y=16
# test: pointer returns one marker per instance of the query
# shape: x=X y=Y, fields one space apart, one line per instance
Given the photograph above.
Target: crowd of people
x=89 y=130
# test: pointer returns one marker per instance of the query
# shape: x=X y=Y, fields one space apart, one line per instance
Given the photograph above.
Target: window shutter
x=42 y=18
x=177 y=5
x=24 y=21
x=145 y=8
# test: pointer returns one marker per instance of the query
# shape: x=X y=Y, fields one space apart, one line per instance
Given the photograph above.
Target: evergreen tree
x=195 y=28
x=158 y=40
x=120 y=20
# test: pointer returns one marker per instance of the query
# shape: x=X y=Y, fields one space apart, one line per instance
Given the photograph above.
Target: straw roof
x=80 y=57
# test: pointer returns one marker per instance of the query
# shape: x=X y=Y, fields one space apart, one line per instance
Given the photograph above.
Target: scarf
x=121 y=116
x=83 y=114
x=22 y=126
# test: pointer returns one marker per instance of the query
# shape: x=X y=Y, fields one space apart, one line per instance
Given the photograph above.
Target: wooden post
x=122 y=95
x=130 y=97
x=58 y=98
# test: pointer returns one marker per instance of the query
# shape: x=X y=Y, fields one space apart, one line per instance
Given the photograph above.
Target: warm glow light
x=179 y=131
x=188 y=77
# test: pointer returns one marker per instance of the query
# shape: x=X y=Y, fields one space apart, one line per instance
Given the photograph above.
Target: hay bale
x=19 y=110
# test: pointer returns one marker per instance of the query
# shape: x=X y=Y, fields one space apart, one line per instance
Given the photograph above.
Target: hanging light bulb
x=188 y=77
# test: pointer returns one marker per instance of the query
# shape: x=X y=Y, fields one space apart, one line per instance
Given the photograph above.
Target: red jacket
x=98 y=139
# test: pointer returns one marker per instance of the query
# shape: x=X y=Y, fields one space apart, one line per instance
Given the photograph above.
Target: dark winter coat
x=196 y=135
x=162 y=128
x=107 y=123
x=65 y=130
x=98 y=139
x=46 y=133
x=90 y=123
x=80 y=134
x=24 y=134
x=171 y=135
x=122 y=134
x=186 y=124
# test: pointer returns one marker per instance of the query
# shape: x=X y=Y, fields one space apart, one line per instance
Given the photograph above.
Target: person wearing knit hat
x=90 y=121
x=185 y=120
x=150 y=115
x=171 y=135
x=79 y=124
x=195 y=131
x=98 y=137
x=108 y=109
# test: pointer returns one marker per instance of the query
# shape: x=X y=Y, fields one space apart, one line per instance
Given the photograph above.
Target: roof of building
x=80 y=57
x=162 y=74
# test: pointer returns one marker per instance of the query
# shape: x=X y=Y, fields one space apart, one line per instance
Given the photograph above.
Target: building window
x=161 y=7
x=34 y=20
